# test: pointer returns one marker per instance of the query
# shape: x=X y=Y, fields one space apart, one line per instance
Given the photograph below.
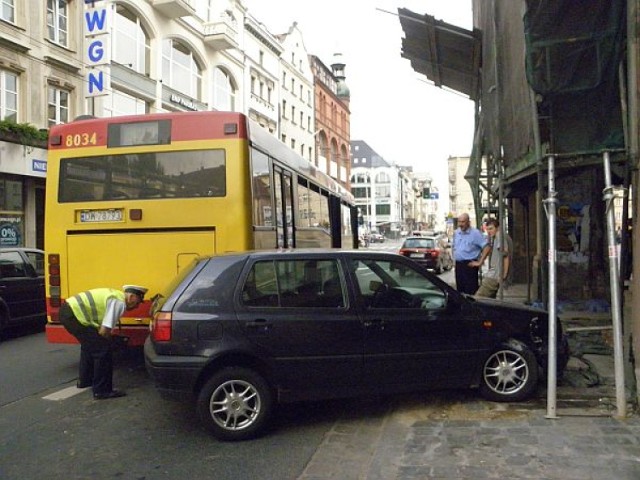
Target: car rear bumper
x=426 y=262
x=174 y=376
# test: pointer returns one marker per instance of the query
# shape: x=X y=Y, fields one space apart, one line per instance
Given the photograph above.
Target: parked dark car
x=240 y=332
x=430 y=252
x=22 y=293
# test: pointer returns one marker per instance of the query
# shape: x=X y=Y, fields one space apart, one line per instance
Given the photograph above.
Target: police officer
x=90 y=317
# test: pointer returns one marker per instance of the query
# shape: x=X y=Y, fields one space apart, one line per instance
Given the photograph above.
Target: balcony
x=175 y=8
x=221 y=35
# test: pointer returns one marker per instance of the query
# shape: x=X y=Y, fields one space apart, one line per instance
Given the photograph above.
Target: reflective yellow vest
x=89 y=307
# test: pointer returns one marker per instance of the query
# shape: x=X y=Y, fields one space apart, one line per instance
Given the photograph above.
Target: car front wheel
x=510 y=373
x=235 y=404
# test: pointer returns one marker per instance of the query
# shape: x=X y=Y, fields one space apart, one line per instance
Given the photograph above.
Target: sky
x=403 y=117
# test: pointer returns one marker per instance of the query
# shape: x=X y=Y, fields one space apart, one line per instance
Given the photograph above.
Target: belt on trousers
x=466 y=261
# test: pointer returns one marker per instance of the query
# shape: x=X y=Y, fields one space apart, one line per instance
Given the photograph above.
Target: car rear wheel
x=235 y=404
x=510 y=373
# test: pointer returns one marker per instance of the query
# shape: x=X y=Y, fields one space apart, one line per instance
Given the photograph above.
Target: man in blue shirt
x=469 y=245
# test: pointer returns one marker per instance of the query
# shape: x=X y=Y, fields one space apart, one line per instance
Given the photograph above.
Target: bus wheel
x=235 y=404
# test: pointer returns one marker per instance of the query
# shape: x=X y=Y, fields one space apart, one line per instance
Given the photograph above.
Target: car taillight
x=54 y=279
x=161 y=327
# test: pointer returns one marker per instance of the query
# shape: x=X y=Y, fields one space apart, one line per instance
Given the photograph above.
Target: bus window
x=261 y=185
x=303 y=203
x=182 y=174
x=284 y=203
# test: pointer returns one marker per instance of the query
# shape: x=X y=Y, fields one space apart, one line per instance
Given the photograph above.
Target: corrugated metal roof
x=448 y=55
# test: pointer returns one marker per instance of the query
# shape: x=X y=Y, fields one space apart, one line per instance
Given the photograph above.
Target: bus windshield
x=175 y=174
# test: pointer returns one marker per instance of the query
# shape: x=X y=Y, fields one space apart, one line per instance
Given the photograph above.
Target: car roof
x=316 y=252
x=421 y=238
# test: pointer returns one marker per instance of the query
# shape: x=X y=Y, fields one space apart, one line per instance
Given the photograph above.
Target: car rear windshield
x=419 y=243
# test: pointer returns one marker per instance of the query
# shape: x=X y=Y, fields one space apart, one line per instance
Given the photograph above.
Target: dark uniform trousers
x=466 y=277
x=96 y=353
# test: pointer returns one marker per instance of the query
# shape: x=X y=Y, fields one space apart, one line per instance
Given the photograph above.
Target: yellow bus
x=132 y=200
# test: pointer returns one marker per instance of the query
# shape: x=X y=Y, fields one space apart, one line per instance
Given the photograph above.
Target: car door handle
x=258 y=324
x=376 y=323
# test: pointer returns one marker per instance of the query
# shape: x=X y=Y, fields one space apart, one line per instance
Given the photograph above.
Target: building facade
x=332 y=119
x=461 y=198
x=297 y=119
x=60 y=59
x=388 y=197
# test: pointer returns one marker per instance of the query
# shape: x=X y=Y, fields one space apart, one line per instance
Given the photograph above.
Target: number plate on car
x=91 y=216
x=417 y=255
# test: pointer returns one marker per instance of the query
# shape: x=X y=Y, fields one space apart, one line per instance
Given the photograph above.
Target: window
x=8 y=11
x=180 y=70
x=393 y=285
x=11 y=265
x=293 y=114
x=224 y=92
x=383 y=191
x=261 y=185
x=383 y=209
x=120 y=103
x=58 y=106
x=130 y=41
x=150 y=175
x=383 y=177
x=295 y=284
x=213 y=288
x=57 y=21
x=8 y=96
x=301 y=119
x=284 y=109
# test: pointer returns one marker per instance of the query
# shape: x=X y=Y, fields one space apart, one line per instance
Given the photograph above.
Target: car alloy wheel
x=509 y=374
x=235 y=404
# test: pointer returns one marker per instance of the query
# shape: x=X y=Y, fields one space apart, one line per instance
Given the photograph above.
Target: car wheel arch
x=234 y=359
x=517 y=354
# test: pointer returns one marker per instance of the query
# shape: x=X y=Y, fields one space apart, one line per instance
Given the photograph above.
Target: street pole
x=614 y=282
x=550 y=206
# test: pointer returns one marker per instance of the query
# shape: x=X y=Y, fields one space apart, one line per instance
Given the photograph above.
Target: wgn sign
x=97 y=47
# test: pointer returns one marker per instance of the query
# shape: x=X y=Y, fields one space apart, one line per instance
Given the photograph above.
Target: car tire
x=235 y=404
x=510 y=373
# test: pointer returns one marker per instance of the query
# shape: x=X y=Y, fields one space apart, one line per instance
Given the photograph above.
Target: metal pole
x=614 y=281
x=550 y=206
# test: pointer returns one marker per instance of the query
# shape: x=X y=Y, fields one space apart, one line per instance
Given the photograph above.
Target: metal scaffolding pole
x=614 y=282
x=550 y=207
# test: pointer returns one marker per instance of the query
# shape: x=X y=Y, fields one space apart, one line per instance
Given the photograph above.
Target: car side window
x=212 y=288
x=391 y=284
x=11 y=265
x=37 y=260
x=296 y=283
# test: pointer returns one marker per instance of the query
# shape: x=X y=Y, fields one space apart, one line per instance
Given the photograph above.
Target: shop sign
x=39 y=165
x=97 y=41
x=10 y=232
x=188 y=104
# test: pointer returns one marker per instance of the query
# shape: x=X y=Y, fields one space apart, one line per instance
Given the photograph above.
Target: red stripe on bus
x=185 y=126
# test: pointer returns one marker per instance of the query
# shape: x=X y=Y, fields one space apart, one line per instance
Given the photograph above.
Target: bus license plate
x=91 y=216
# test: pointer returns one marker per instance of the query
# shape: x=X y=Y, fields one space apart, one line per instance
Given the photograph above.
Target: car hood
x=493 y=305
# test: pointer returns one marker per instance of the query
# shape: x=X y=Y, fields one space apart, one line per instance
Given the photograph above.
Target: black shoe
x=111 y=394
x=82 y=385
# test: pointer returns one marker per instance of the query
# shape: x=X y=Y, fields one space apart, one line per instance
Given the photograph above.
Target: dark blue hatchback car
x=240 y=332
